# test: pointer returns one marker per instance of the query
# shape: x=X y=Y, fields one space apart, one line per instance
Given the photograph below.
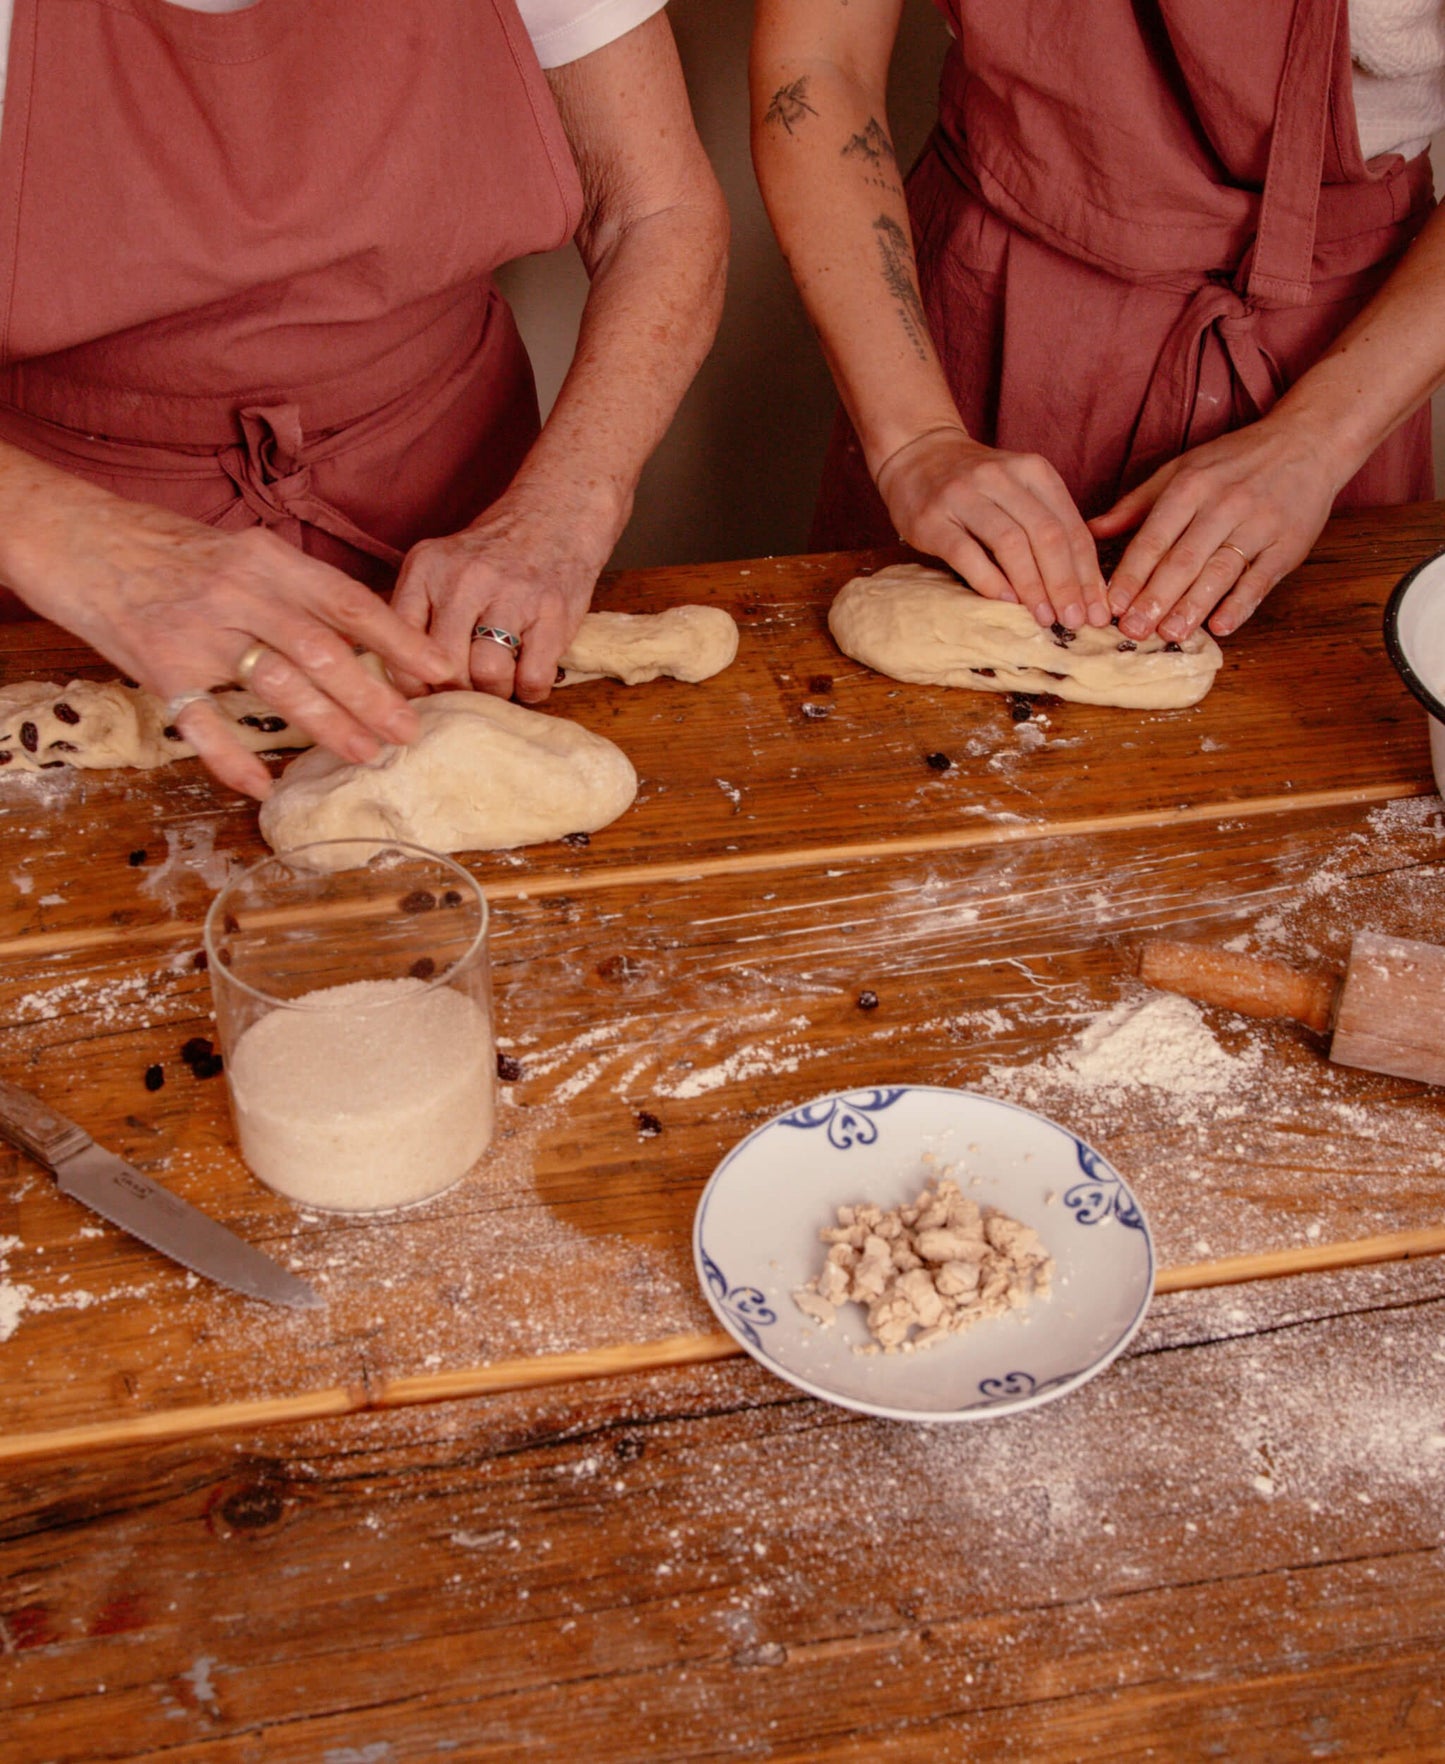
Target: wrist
x=906 y=447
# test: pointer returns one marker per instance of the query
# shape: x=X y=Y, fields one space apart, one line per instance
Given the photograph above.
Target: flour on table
x=1162 y=1041
x=93 y=725
x=686 y=643
x=923 y=625
x=483 y=775
x=926 y=1270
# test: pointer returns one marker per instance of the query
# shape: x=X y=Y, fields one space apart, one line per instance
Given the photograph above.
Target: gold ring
x=250 y=661
x=1228 y=545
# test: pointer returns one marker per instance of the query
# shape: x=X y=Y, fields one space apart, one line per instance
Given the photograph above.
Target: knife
x=117 y=1191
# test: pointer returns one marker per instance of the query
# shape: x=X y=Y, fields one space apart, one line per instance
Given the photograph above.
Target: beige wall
x=736 y=474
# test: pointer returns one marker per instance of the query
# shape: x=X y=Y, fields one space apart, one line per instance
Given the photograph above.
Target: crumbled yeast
x=925 y=1270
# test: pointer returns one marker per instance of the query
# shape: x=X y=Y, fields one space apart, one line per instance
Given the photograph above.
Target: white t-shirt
x=561 y=30
x=1398 y=48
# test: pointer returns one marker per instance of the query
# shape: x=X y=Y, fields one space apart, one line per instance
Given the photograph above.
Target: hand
x=1004 y=521
x=518 y=569
x=1221 y=525
x=175 y=605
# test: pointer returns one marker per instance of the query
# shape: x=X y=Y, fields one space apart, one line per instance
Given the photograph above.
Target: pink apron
x=1136 y=225
x=246 y=261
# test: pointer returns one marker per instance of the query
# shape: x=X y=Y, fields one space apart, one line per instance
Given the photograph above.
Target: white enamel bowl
x=1415 y=638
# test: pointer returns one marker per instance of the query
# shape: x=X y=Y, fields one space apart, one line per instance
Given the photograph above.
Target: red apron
x=1136 y=225
x=246 y=270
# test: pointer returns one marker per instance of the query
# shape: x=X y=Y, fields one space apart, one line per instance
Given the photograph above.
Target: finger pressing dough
x=686 y=642
x=925 y=626
x=483 y=775
x=94 y=724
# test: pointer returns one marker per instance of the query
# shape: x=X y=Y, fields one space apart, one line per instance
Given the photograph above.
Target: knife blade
x=105 y=1183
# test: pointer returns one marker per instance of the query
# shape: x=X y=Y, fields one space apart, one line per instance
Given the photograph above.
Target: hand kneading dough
x=483 y=775
x=93 y=725
x=923 y=625
x=687 y=642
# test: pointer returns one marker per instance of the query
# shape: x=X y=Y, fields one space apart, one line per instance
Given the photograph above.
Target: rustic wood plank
x=1227 y=1545
x=795 y=749
x=707 y=1007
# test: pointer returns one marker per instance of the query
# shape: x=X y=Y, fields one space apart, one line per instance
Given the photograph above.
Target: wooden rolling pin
x=1387 y=1014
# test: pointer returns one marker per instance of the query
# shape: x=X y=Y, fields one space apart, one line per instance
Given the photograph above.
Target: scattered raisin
x=197 y=1048
x=155 y=1077
x=1126 y=645
x=1174 y=648
x=50 y=765
x=561 y=676
x=172 y=733
x=136 y=858
x=1063 y=636
x=648 y=1125
x=508 y=1069
x=208 y=1067
x=986 y=673
x=868 y=1001
x=29 y=737
x=576 y=839
x=5 y=758
x=200 y=960
x=452 y=897
x=938 y=762
x=271 y=725
x=66 y=713
x=1019 y=707
x=820 y=683
x=422 y=968
x=249 y=722
x=420 y=900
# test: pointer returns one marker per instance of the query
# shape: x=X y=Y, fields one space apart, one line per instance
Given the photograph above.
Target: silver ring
x=176 y=705
x=495 y=634
x=1229 y=546
x=250 y=661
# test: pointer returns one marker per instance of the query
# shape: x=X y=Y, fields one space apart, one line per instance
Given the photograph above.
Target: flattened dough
x=686 y=642
x=923 y=625
x=94 y=724
x=483 y=775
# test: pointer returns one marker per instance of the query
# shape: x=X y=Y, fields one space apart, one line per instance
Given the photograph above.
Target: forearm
x=1381 y=368
x=834 y=193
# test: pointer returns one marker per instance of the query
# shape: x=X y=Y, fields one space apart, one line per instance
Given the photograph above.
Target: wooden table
x=511 y=1494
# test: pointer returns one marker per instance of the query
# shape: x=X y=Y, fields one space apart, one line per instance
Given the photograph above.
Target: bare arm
x=654 y=240
x=1225 y=521
x=823 y=151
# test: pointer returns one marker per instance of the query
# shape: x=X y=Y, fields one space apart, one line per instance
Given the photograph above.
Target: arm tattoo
x=872 y=145
x=898 y=277
x=790 y=105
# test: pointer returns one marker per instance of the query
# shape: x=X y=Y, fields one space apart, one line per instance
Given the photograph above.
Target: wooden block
x=1392 y=1008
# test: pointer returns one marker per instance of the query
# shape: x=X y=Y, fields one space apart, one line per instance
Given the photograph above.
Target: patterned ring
x=250 y=661
x=176 y=705
x=495 y=634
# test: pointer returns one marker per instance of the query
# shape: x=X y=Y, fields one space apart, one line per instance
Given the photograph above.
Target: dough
x=924 y=625
x=687 y=642
x=91 y=724
x=483 y=775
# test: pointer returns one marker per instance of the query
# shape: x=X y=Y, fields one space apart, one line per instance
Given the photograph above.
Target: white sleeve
x=566 y=30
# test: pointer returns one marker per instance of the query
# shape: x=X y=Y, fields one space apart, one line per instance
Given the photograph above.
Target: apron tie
x=270 y=468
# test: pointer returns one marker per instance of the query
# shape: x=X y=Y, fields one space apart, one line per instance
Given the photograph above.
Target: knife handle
x=32 y=1127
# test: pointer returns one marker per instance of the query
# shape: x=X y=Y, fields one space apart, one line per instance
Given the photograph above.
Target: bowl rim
x=1396 y=649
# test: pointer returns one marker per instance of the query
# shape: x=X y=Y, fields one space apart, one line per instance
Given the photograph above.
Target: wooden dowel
x=1251 y=985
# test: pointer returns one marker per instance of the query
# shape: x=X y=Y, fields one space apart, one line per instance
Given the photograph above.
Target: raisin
x=576 y=839
x=231 y=925
x=224 y=956
x=420 y=900
x=1019 y=707
x=172 y=733
x=200 y=960
x=136 y=858
x=1126 y=645
x=66 y=713
x=822 y=684
x=986 y=673
x=1174 y=648
x=868 y=1001
x=29 y=737
x=422 y=968
x=560 y=677
x=62 y=747
x=50 y=765
x=648 y=1125
x=938 y=762
x=271 y=725
x=249 y=722
x=508 y=1069
x=197 y=1048
x=452 y=897
x=208 y=1067
x=155 y=1077
x=1063 y=636
x=5 y=757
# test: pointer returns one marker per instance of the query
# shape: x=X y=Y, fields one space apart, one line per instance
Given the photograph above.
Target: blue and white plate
x=755 y=1239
